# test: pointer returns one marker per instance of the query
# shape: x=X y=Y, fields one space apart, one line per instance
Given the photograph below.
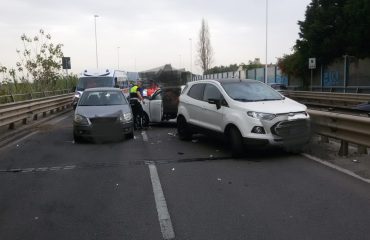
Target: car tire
x=77 y=138
x=236 y=142
x=183 y=129
x=129 y=135
x=145 y=120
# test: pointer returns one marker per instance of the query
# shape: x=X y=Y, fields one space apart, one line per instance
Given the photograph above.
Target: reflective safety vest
x=134 y=89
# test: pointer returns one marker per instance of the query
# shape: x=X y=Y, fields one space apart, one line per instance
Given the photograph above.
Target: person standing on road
x=136 y=91
x=135 y=98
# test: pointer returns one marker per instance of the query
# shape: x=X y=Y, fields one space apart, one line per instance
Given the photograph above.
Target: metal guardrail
x=12 y=113
x=344 y=127
x=30 y=96
x=342 y=100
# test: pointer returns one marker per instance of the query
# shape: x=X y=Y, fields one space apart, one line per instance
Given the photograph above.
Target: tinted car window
x=211 y=91
x=196 y=91
x=157 y=96
x=93 y=82
x=251 y=92
x=102 y=98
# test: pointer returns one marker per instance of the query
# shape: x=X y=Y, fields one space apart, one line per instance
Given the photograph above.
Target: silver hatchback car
x=102 y=113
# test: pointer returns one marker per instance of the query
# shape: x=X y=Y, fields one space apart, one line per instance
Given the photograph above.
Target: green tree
x=205 y=51
x=40 y=60
x=331 y=29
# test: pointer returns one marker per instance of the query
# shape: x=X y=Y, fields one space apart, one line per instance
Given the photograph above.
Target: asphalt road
x=52 y=188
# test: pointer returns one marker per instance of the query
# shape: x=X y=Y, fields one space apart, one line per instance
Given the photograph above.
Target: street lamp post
x=266 y=39
x=191 y=55
x=96 y=42
x=117 y=57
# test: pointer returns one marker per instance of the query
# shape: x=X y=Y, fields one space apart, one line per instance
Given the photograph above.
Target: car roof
x=228 y=80
x=102 y=89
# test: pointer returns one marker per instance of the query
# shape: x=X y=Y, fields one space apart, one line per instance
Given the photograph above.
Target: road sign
x=66 y=62
x=312 y=63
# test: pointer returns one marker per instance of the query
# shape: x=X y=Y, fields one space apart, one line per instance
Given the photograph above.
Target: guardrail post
x=11 y=126
x=44 y=93
x=343 y=151
x=13 y=99
x=361 y=149
x=324 y=139
x=35 y=116
x=24 y=121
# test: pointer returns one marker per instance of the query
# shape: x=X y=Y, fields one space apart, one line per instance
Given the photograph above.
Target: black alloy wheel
x=183 y=129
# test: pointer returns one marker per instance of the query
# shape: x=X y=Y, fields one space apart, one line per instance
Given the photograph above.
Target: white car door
x=213 y=114
x=156 y=107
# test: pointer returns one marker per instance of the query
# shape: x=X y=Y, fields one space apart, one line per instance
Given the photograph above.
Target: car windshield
x=93 y=82
x=251 y=92
x=102 y=98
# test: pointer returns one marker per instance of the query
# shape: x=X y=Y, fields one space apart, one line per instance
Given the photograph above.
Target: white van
x=101 y=78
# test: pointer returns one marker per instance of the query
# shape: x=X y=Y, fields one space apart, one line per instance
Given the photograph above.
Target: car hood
x=276 y=107
x=102 y=111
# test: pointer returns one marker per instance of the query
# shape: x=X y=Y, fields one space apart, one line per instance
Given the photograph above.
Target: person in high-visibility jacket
x=135 y=91
x=137 y=109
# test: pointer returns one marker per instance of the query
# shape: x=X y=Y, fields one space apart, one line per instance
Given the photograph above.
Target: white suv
x=243 y=111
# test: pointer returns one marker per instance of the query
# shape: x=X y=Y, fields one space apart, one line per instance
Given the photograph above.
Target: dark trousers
x=137 y=111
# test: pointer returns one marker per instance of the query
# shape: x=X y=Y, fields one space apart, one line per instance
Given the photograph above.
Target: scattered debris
x=36 y=218
x=219 y=179
x=180 y=153
x=194 y=140
x=172 y=134
x=173 y=169
x=17 y=145
x=355 y=161
x=211 y=156
x=217 y=150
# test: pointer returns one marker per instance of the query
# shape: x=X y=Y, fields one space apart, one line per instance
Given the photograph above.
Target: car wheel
x=77 y=138
x=137 y=122
x=183 y=129
x=236 y=142
x=129 y=135
x=145 y=120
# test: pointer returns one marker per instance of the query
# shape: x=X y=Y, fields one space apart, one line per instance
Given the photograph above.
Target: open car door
x=156 y=107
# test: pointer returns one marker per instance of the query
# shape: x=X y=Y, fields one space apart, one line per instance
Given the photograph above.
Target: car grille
x=103 y=120
x=291 y=129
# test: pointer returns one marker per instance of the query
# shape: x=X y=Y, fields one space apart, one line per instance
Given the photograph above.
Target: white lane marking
x=345 y=171
x=145 y=136
x=42 y=169
x=160 y=202
x=69 y=167
x=55 y=168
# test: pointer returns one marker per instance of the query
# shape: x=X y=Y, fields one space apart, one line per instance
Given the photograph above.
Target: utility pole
x=96 y=42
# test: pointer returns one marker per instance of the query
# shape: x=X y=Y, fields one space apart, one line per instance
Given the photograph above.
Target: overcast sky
x=150 y=33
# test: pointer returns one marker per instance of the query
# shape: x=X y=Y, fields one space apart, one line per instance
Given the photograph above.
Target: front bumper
x=282 y=133
x=103 y=130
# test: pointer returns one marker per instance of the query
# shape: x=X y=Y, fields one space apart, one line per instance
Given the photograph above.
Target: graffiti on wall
x=331 y=78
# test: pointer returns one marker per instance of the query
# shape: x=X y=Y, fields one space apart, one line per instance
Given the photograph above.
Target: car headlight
x=261 y=116
x=79 y=119
x=77 y=95
x=126 y=117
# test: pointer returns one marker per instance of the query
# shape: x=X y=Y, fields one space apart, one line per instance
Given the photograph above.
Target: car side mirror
x=215 y=101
